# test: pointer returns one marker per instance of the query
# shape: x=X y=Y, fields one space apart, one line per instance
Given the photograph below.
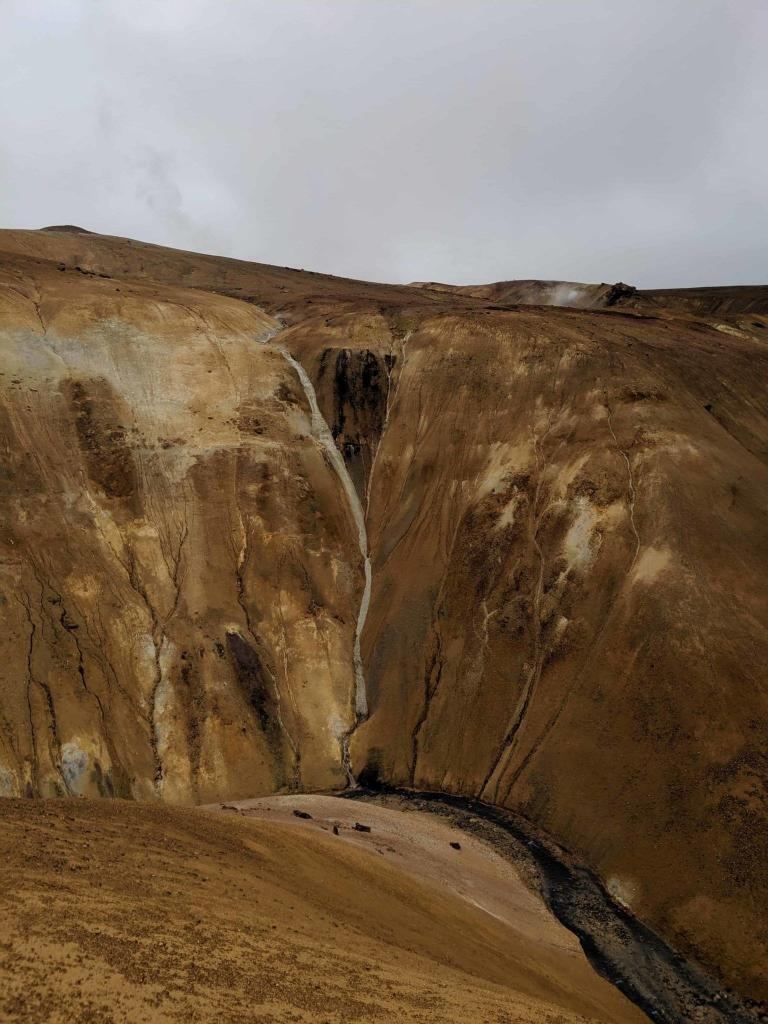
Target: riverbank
x=669 y=989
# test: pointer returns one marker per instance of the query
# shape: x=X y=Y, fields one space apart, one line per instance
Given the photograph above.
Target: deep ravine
x=322 y=434
x=667 y=987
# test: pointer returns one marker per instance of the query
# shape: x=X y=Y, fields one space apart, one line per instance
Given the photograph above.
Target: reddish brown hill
x=566 y=520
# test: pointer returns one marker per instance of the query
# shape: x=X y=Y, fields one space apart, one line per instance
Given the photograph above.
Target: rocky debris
x=666 y=986
x=618 y=292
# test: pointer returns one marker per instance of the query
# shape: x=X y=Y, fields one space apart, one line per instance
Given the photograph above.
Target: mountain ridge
x=560 y=505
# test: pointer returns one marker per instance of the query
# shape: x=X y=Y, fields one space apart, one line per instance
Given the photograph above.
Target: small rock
x=335 y=830
x=302 y=814
x=456 y=846
x=362 y=828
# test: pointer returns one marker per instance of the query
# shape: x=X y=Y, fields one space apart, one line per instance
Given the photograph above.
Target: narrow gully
x=322 y=434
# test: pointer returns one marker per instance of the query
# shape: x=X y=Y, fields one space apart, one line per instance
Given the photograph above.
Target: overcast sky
x=454 y=140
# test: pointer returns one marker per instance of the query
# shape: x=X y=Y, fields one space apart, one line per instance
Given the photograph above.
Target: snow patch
x=144 y=657
x=503 y=459
x=507 y=517
x=623 y=890
x=8 y=782
x=335 y=725
x=581 y=542
x=74 y=762
x=651 y=563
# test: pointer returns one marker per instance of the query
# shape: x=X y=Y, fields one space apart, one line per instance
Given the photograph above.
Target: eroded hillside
x=565 y=512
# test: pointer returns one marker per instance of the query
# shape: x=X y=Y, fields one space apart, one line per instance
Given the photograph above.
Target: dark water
x=624 y=951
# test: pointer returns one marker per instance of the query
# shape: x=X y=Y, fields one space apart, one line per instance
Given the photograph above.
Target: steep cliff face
x=565 y=512
x=558 y=532
x=180 y=576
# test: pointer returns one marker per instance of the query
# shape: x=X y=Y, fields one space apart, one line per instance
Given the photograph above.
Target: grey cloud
x=462 y=141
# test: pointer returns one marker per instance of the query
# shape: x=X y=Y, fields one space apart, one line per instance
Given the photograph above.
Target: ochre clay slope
x=116 y=912
x=291 y=294
x=565 y=512
x=172 y=542
x=562 y=510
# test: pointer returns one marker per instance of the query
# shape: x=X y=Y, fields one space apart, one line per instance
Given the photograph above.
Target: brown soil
x=115 y=912
x=566 y=519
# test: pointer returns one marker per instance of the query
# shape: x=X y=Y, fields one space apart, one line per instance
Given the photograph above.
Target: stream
x=624 y=951
x=322 y=434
